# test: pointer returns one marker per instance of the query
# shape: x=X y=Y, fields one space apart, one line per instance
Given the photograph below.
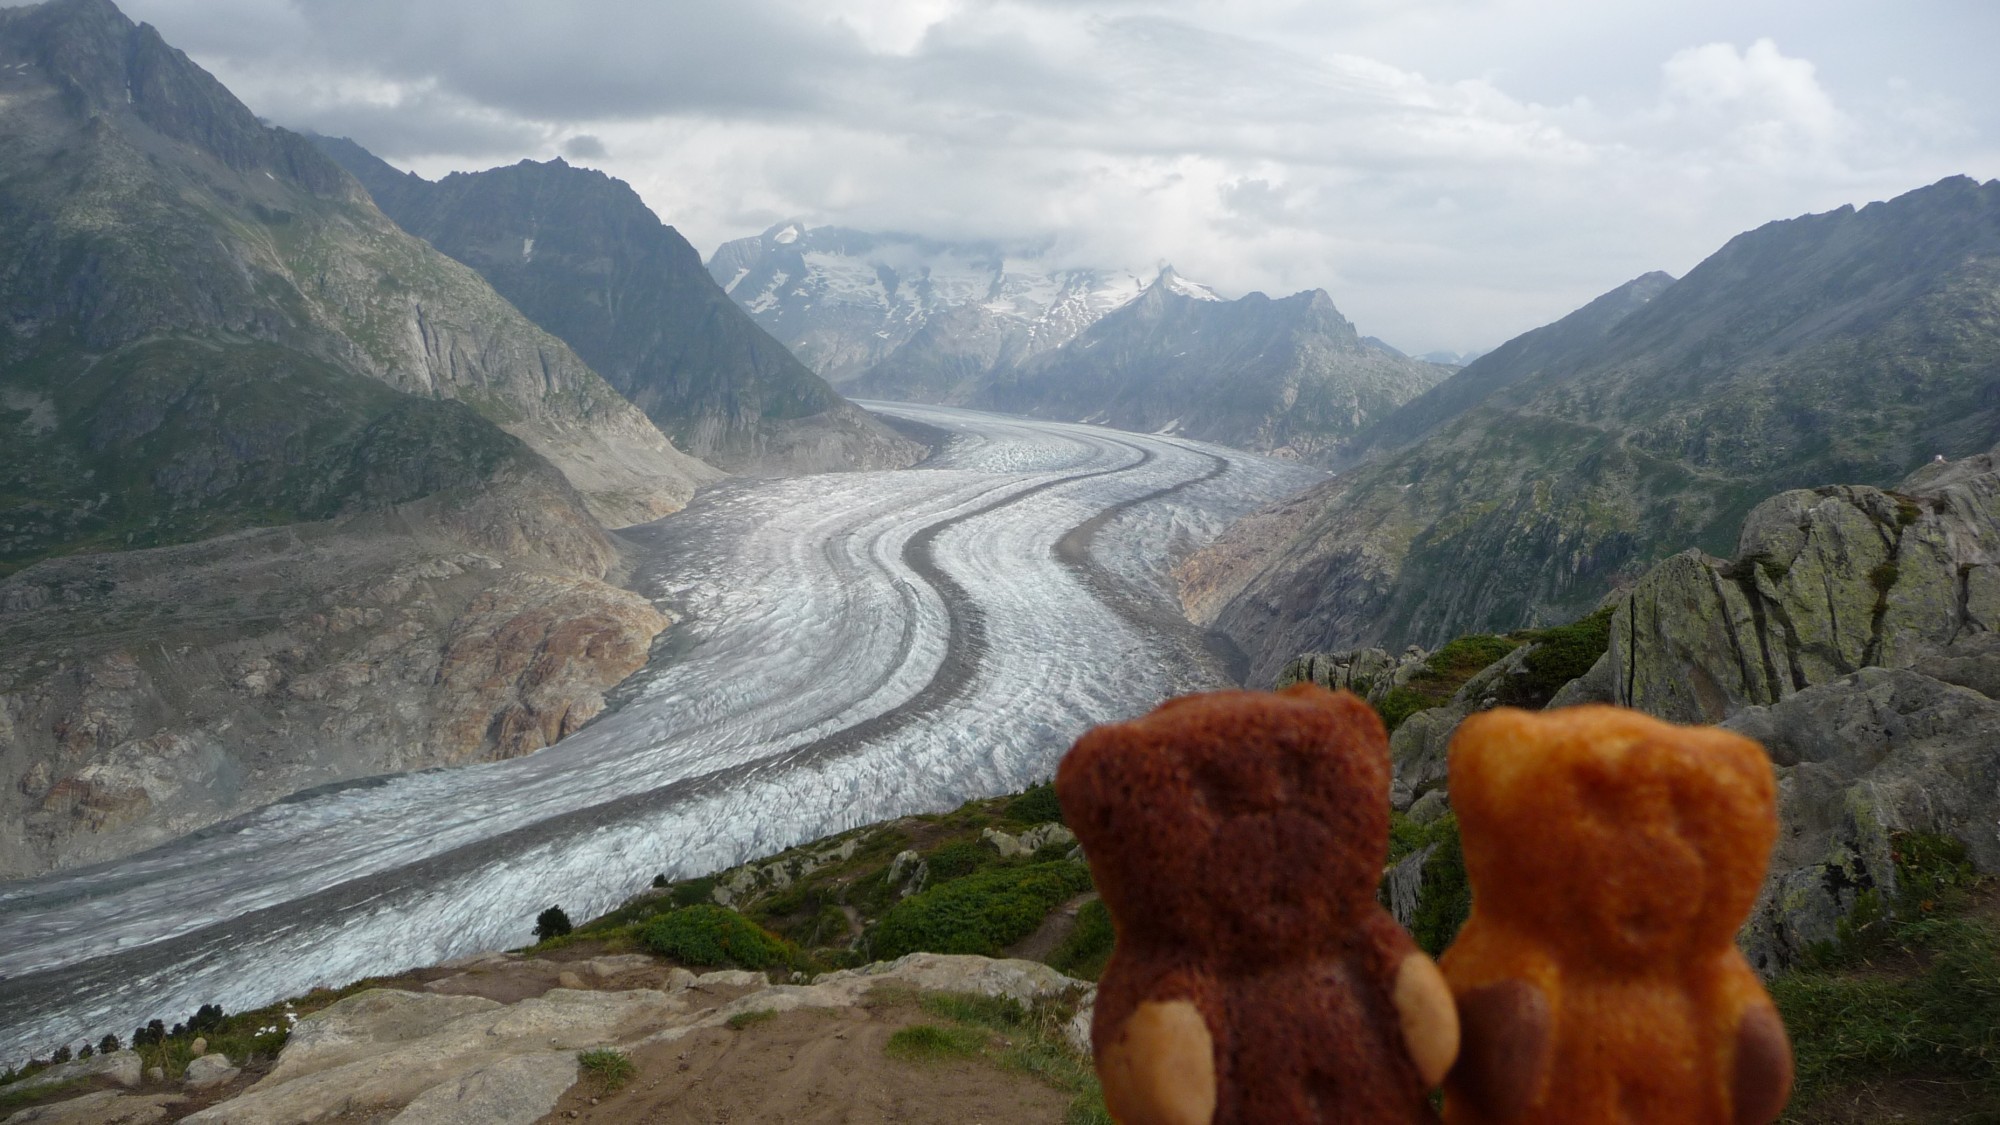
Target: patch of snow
x=527 y=249
x=741 y=273
x=1186 y=288
x=787 y=236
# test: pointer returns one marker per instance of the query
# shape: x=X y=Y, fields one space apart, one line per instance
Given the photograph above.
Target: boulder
x=1369 y=672
x=121 y=1067
x=1860 y=759
x=514 y=1091
x=1025 y=981
x=209 y=1070
x=104 y=1107
x=1824 y=582
x=1006 y=844
x=1418 y=747
x=383 y=1049
x=1429 y=807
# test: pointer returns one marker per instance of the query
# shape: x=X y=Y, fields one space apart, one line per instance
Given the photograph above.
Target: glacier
x=850 y=648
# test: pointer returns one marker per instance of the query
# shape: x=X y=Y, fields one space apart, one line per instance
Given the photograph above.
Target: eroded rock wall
x=147 y=694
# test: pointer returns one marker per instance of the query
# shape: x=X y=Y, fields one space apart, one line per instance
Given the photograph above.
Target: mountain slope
x=1547 y=348
x=370 y=492
x=1288 y=376
x=1851 y=345
x=845 y=300
x=144 y=208
x=582 y=256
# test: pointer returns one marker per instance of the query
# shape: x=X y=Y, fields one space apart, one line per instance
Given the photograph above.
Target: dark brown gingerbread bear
x=1612 y=858
x=1237 y=838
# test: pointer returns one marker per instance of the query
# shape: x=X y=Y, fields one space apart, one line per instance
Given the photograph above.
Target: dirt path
x=812 y=1067
x=1054 y=928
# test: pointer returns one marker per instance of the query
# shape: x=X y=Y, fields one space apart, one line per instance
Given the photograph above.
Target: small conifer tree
x=551 y=923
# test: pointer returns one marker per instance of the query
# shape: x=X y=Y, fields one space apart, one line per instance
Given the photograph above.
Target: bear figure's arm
x=1761 y=1081
x=1429 y=1017
x=1159 y=1069
x=1506 y=1046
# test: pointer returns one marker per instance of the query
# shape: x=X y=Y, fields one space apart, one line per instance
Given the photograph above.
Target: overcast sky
x=1453 y=172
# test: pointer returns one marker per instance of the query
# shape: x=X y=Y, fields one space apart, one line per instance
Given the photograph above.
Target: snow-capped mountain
x=1289 y=376
x=846 y=301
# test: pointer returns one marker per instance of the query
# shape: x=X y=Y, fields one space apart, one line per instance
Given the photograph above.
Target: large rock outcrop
x=428 y=1058
x=1823 y=583
x=1852 y=632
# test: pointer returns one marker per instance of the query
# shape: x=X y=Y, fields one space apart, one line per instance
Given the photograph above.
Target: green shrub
x=612 y=1068
x=980 y=913
x=752 y=1018
x=712 y=936
x=1560 y=655
x=1465 y=657
x=1400 y=704
x=1445 y=898
x=826 y=927
x=927 y=1043
x=1084 y=953
x=958 y=859
x=998 y=1013
x=551 y=923
x=1036 y=805
x=1442 y=675
x=694 y=892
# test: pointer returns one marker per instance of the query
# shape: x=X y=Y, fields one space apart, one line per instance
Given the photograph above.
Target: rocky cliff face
x=146 y=694
x=580 y=254
x=156 y=227
x=1847 y=346
x=206 y=329
x=1289 y=377
x=1852 y=632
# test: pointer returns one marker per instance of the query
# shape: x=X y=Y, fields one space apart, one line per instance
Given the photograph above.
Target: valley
x=854 y=647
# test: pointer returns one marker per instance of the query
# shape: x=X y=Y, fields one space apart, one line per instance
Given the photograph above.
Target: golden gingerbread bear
x=1237 y=838
x=1612 y=858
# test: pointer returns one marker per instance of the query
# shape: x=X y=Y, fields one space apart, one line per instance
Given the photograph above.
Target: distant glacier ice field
x=852 y=647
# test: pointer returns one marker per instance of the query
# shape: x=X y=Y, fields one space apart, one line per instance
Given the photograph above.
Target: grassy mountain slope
x=1852 y=345
x=159 y=237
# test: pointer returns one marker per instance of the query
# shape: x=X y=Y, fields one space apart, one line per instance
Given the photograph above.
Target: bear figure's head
x=1247 y=826
x=1611 y=837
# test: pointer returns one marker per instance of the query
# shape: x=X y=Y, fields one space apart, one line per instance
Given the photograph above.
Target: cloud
x=1452 y=171
x=583 y=146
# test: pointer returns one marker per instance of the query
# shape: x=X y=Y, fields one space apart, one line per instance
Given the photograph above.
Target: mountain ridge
x=1850 y=345
x=1289 y=376
x=580 y=253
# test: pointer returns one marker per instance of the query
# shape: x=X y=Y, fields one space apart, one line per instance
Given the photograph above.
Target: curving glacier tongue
x=853 y=647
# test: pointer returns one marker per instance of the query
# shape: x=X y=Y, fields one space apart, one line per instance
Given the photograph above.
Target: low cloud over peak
x=1452 y=171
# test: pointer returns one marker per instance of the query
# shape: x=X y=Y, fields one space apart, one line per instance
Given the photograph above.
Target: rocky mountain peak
x=105 y=65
